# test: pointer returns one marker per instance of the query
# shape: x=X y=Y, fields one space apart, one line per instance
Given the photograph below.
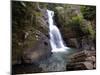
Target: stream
x=57 y=62
x=58 y=59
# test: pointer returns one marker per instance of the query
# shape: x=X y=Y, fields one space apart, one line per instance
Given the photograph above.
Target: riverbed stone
x=83 y=60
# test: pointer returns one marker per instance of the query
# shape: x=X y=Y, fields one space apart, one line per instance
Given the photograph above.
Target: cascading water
x=55 y=35
x=57 y=61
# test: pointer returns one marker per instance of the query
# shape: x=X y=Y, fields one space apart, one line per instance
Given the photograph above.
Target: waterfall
x=56 y=40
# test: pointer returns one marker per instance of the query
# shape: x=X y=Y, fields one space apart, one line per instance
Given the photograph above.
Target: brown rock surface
x=83 y=60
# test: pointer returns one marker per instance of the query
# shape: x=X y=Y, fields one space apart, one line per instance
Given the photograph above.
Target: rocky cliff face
x=30 y=38
x=77 y=32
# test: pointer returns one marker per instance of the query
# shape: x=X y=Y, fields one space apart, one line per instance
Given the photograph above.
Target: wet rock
x=88 y=65
x=91 y=58
x=83 y=60
x=82 y=56
x=79 y=66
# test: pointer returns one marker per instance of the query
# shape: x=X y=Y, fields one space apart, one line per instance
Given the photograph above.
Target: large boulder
x=36 y=49
x=80 y=66
x=83 y=60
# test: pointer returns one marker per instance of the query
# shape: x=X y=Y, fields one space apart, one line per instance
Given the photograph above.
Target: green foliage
x=77 y=19
x=90 y=31
x=26 y=17
x=75 y=25
x=82 y=28
x=89 y=12
x=23 y=20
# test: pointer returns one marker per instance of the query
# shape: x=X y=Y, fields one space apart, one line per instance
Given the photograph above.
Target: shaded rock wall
x=77 y=32
x=30 y=29
x=30 y=38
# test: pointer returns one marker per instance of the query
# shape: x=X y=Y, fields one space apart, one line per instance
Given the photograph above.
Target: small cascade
x=56 y=40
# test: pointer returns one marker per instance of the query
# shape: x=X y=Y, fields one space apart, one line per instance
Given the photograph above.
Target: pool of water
x=57 y=62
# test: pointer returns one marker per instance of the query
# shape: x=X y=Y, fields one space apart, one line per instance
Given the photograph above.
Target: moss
x=89 y=12
x=30 y=40
x=25 y=19
x=77 y=19
x=91 y=31
x=87 y=29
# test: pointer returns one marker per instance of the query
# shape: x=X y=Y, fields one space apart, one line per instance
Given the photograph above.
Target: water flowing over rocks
x=56 y=40
x=56 y=62
x=52 y=37
x=77 y=32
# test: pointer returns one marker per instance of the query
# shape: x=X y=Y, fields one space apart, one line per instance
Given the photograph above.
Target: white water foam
x=56 y=40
